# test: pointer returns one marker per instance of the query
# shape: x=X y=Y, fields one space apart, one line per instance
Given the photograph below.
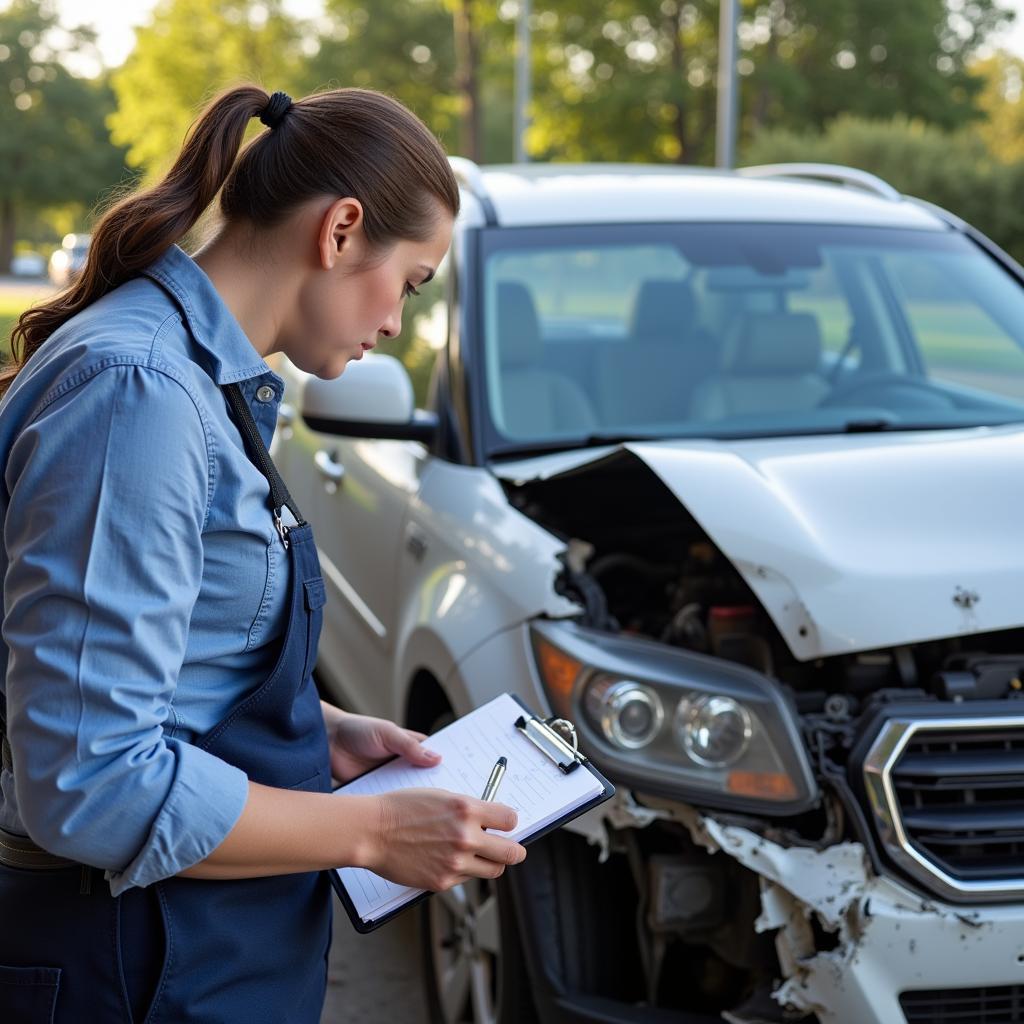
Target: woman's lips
x=367 y=345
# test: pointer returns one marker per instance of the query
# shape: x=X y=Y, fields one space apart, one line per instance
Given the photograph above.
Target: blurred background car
x=28 y=264
x=67 y=262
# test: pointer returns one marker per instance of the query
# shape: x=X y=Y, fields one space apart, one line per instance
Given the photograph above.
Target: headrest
x=663 y=309
x=777 y=343
x=519 y=340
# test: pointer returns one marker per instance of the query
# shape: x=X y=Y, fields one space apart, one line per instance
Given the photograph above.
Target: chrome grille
x=948 y=801
x=994 y=1005
x=962 y=801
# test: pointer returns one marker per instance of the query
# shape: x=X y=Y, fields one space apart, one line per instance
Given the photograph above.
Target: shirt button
x=265 y=393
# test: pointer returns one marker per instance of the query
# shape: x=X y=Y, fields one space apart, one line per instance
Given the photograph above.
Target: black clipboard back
x=579 y=761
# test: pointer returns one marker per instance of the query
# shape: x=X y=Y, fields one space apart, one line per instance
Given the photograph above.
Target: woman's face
x=359 y=297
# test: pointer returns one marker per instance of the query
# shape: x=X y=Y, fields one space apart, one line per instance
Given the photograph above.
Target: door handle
x=285 y=419
x=285 y=415
x=330 y=469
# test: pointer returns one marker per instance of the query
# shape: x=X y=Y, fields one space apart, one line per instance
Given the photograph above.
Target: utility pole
x=725 y=131
x=522 y=80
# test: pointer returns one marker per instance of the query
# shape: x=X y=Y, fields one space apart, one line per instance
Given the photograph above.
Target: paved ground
x=375 y=978
x=28 y=287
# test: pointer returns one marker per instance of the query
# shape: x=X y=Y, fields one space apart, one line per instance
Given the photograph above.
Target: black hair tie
x=278 y=105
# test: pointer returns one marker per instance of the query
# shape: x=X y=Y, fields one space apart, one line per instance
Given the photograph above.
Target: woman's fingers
x=500 y=851
x=432 y=838
x=499 y=816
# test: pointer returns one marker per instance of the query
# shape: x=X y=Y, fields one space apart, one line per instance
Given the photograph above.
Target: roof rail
x=469 y=175
x=825 y=172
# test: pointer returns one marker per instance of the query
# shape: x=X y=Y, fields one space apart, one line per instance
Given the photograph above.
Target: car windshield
x=742 y=330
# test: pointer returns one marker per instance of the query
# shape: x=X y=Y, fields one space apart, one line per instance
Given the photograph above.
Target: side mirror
x=372 y=398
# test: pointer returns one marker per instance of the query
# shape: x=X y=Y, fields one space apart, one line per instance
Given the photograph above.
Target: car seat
x=535 y=401
x=652 y=376
x=771 y=362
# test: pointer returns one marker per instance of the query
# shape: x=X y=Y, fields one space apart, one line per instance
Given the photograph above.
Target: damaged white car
x=728 y=469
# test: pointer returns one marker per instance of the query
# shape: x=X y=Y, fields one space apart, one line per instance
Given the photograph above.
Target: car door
x=360 y=493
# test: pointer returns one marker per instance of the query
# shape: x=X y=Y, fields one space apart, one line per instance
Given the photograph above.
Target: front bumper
x=887 y=939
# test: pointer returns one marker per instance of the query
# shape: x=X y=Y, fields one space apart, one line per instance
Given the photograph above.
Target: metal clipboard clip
x=556 y=737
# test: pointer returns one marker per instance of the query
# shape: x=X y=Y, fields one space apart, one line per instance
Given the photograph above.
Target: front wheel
x=474 y=967
x=475 y=972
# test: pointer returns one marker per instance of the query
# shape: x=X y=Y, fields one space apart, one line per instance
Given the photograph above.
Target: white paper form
x=533 y=784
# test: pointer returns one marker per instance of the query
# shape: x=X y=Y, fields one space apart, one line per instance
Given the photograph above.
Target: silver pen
x=497 y=772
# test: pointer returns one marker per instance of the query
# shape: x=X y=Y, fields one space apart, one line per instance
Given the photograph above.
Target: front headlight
x=671 y=721
x=714 y=731
x=630 y=714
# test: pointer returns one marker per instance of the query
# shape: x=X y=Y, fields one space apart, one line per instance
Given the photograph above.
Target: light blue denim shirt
x=144 y=581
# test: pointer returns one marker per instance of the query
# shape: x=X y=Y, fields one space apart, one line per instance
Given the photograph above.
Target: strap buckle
x=281 y=528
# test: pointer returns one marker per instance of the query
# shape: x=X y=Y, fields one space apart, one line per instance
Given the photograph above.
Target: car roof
x=522 y=195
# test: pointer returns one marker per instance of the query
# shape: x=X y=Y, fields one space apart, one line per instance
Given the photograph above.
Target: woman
x=165 y=800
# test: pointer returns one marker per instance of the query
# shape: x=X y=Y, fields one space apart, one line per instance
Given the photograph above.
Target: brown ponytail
x=352 y=142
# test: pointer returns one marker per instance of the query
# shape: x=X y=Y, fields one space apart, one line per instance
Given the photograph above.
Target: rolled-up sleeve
x=109 y=490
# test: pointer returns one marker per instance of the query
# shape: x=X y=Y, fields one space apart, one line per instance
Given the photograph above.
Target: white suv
x=727 y=468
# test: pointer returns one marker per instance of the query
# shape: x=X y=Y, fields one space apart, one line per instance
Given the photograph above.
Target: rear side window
x=959 y=338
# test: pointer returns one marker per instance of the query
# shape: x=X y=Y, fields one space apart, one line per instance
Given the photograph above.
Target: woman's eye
x=409 y=290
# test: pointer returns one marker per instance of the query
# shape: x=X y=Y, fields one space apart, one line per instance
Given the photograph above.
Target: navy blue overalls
x=192 y=950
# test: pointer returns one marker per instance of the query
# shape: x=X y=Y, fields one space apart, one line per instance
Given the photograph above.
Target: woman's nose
x=391 y=327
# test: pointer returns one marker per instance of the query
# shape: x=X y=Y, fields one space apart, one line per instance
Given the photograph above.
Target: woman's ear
x=340 y=231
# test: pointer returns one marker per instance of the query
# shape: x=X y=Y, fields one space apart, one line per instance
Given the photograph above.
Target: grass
x=10 y=310
x=14 y=300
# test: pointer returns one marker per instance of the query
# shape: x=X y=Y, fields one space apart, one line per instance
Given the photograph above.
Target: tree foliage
x=612 y=79
x=636 y=80
x=1000 y=101
x=192 y=50
x=54 y=148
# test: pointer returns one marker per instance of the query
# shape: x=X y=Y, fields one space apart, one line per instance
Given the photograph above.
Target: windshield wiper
x=869 y=425
x=566 y=445
x=879 y=424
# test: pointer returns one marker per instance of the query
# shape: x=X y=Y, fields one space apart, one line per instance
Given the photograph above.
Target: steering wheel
x=842 y=392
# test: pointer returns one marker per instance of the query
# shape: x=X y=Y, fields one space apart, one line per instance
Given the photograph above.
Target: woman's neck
x=254 y=286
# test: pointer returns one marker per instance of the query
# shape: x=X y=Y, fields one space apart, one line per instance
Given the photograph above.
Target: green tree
x=54 y=148
x=636 y=79
x=808 y=61
x=447 y=60
x=407 y=52
x=190 y=51
x=1001 y=102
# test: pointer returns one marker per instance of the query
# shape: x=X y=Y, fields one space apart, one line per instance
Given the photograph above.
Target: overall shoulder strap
x=279 y=496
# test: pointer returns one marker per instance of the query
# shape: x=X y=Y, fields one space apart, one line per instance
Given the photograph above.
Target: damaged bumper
x=884 y=939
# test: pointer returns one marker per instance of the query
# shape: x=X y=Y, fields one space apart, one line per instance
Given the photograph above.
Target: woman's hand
x=425 y=838
x=433 y=839
x=359 y=742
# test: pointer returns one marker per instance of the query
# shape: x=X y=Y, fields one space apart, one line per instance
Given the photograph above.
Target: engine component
x=684 y=895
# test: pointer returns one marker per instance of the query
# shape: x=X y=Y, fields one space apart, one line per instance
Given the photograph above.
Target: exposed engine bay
x=639 y=563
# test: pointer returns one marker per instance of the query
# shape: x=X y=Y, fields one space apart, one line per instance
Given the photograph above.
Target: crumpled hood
x=853 y=542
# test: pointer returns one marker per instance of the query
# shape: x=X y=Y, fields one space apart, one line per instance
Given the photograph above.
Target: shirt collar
x=212 y=324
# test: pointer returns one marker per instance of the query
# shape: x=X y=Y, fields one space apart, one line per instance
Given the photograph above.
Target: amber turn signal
x=558 y=671
x=763 y=785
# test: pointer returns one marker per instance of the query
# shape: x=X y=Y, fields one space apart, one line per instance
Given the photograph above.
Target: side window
x=424 y=331
x=958 y=340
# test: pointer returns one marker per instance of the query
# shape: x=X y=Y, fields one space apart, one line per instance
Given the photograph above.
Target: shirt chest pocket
x=242 y=606
x=269 y=616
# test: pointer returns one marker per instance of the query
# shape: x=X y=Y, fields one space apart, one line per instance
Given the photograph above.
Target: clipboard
x=556 y=739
